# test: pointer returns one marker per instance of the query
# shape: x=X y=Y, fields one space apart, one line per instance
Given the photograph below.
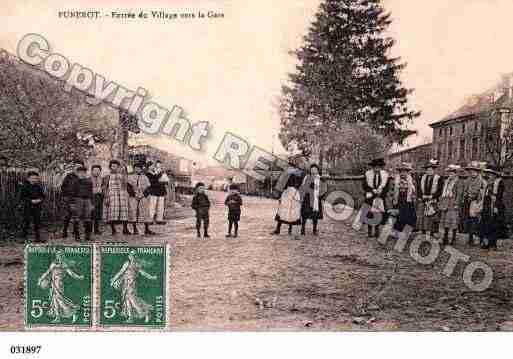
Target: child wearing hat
x=201 y=205
x=234 y=203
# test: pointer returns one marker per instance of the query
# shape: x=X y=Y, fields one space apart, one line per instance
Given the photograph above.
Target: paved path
x=337 y=281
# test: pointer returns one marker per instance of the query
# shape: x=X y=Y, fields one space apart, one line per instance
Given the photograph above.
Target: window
x=449 y=150
x=462 y=128
x=474 y=154
x=450 y=131
x=476 y=126
x=439 y=152
x=462 y=149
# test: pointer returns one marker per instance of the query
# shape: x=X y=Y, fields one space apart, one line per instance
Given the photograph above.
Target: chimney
x=506 y=85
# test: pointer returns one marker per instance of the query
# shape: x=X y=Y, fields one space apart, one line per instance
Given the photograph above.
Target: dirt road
x=339 y=280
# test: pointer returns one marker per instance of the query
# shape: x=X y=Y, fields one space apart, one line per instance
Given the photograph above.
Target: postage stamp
x=132 y=286
x=58 y=286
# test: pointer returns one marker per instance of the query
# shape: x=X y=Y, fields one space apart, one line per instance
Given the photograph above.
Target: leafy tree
x=344 y=75
x=41 y=124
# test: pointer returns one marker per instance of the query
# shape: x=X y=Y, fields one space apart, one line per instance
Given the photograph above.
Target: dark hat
x=493 y=169
x=377 y=162
x=114 y=162
x=140 y=164
x=432 y=163
x=82 y=169
x=199 y=184
x=234 y=187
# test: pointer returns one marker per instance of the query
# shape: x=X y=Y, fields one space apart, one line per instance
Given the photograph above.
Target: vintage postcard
x=255 y=166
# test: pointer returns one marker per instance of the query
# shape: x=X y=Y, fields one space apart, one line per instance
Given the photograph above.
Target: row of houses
x=479 y=130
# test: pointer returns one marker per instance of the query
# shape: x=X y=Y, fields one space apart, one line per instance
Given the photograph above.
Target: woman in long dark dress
x=404 y=196
x=312 y=192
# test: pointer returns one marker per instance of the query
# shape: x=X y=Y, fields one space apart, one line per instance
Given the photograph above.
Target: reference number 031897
x=25 y=349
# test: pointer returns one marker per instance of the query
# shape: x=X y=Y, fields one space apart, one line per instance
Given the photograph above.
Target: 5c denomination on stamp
x=58 y=286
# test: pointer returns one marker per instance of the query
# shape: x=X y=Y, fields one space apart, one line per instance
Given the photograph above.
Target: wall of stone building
x=475 y=130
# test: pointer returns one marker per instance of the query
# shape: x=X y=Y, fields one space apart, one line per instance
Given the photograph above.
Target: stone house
x=473 y=131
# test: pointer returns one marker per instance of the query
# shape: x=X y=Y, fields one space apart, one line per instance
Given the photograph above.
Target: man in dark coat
x=375 y=186
x=32 y=196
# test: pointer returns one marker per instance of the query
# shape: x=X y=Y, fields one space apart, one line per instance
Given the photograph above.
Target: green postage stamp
x=58 y=286
x=132 y=286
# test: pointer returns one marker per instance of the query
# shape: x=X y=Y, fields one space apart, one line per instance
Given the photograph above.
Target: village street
x=339 y=280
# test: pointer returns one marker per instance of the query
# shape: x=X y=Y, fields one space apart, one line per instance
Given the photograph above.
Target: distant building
x=179 y=166
x=417 y=156
x=465 y=134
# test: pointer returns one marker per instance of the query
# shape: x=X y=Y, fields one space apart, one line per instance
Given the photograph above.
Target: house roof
x=411 y=149
x=477 y=104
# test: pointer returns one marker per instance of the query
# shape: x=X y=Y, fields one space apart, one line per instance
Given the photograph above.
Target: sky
x=229 y=71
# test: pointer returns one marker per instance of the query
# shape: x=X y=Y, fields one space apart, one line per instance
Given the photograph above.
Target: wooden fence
x=10 y=205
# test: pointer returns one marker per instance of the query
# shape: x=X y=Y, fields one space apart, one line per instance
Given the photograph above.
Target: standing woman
x=139 y=202
x=404 y=195
x=312 y=191
x=115 y=194
x=492 y=217
x=451 y=202
x=375 y=186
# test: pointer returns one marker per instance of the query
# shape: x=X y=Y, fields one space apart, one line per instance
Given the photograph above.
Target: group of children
x=117 y=198
x=201 y=205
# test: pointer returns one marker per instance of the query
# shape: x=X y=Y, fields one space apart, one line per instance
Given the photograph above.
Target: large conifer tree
x=345 y=74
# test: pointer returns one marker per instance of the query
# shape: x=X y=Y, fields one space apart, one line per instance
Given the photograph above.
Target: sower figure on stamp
x=132 y=305
x=82 y=204
x=475 y=188
x=492 y=217
x=115 y=195
x=404 y=195
x=68 y=187
x=289 y=208
x=53 y=279
x=32 y=196
x=375 y=186
x=312 y=192
x=450 y=203
x=429 y=192
x=234 y=203
x=201 y=205
x=139 y=202
x=97 y=214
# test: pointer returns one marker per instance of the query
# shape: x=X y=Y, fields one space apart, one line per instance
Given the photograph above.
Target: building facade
x=418 y=156
x=475 y=132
